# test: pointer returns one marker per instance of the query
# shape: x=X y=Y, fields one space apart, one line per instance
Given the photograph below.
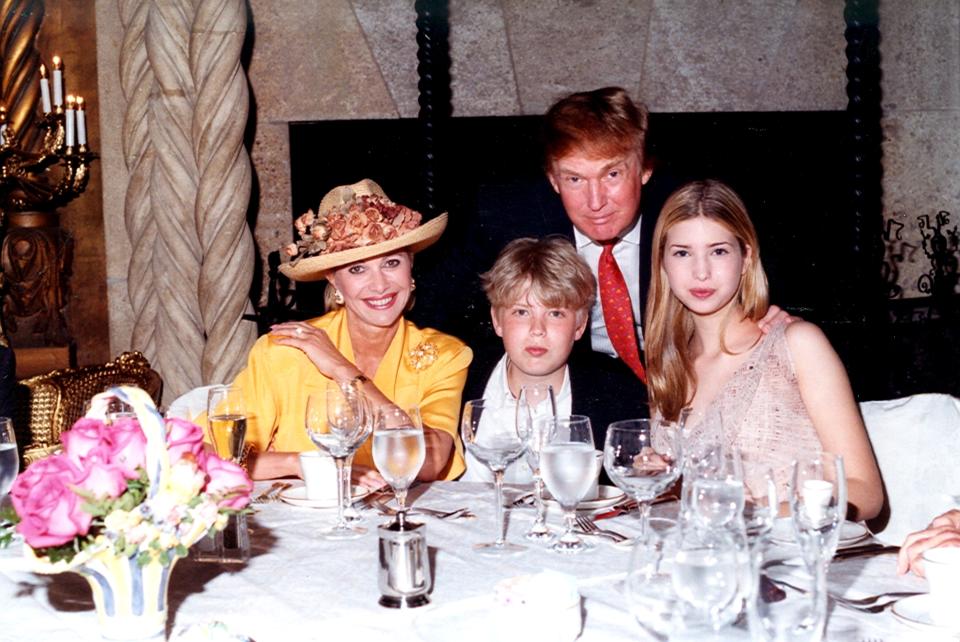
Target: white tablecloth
x=299 y=587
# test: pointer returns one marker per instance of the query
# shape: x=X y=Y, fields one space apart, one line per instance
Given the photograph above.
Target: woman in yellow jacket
x=362 y=244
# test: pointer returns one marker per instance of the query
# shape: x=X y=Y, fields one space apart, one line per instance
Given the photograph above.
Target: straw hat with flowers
x=354 y=223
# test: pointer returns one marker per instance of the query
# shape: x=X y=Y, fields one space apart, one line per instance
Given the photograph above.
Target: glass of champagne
x=818 y=502
x=568 y=463
x=338 y=422
x=489 y=432
x=227 y=419
x=643 y=458
x=398 y=449
x=9 y=457
x=535 y=401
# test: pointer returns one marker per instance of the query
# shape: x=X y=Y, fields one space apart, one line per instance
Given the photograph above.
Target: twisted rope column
x=219 y=118
x=20 y=65
x=186 y=203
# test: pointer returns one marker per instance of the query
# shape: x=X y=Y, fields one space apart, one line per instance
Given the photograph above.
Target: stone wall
x=348 y=59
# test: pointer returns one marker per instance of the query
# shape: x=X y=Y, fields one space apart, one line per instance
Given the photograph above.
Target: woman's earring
x=338 y=297
x=413 y=285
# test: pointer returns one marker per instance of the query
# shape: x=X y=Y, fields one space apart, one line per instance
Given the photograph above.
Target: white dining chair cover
x=917 y=443
x=190 y=404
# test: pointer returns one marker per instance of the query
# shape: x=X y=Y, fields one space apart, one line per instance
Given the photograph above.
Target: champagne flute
x=489 y=433
x=227 y=420
x=398 y=449
x=818 y=502
x=9 y=457
x=337 y=421
x=536 y=400
x=643 y=457
x=568 y=463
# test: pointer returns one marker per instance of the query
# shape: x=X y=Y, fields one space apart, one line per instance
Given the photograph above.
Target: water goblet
x=649 y=586
x=707 y=578
x=536 y=400
x=818 y=503
x=9 y=457
x=568 y=463
x=490 y=434
x=717 y=494
x=227 y=420
x=398 y=449
x=643 y=457
x=338 y=422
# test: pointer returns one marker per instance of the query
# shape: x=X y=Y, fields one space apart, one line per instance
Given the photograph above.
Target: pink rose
x=50 y=512
x=128 y=447
x=229 y=482
x=86 y=435
x=183 y=437
x=103 y=480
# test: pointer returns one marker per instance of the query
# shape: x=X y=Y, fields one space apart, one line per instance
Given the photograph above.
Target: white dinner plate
x=607 y=496
x=850 y=532
x=914 y=611
x=298 y=497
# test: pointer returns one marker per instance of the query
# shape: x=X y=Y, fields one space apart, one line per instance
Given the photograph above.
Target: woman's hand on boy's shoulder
x=774 y=317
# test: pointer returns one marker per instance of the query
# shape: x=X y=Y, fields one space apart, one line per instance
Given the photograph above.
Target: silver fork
x=868 y=604
x=590 y=527
x=271 y=493
x=439 y=514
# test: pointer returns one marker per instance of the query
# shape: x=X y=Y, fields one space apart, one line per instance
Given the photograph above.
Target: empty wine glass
x=398 y=449
x=227 y=420
x=9 y=457
x=337 y=421
x=568 y=463
x=643 y=458
x=489 y=433
x=818 y=502
x=536 y=400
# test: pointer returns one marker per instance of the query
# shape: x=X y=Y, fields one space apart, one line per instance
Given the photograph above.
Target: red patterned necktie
x=618 y=313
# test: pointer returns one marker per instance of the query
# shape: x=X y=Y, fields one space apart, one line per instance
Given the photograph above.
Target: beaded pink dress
x=761 y=412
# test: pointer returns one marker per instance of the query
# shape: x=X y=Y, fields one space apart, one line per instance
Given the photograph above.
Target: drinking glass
x=818 y=502
x=536 y=400
x=227 y=420
x=489 y=432
x=9 y=458
x=338 y=422
x=707 y=577
x=717 y=496
x=649 y=586
x=643 y=458
x=568 y=463
x=398 y=448
x=761 y=501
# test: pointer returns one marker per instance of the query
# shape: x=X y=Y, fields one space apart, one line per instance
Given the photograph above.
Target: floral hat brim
x=314 y=266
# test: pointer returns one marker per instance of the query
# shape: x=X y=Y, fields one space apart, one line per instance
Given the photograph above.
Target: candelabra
x=44 y=163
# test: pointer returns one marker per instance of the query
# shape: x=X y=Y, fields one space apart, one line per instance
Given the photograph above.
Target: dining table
x=298 y=586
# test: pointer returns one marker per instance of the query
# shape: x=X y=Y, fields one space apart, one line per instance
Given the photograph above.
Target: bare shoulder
x=803 y=335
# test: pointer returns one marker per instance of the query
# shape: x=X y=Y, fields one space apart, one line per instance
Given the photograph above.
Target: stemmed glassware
x=649 y=586
x=761 y=500
x=643 y=457
x=227 y=420
x=489 y=432
x=717 y=494
x=707 y=577
x=398 y=449
x=9 y=458
x=568 y=463
x=818 y=502
x=337 y=421
x=535 y=401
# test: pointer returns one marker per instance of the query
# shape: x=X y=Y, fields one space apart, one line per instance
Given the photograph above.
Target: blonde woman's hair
x=668 y=327
x=549 y=269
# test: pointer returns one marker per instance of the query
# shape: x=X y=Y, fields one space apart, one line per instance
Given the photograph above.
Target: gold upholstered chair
x=48 y=404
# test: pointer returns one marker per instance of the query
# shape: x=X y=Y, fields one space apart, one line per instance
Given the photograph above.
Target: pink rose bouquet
x=119 y=486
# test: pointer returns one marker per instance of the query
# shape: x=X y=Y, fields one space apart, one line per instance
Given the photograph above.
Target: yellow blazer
x=421 y=367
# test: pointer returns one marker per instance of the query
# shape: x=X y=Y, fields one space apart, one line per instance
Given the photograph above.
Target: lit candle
x=44 y=89
x=81 y=121
x=70 y=120
x=57 y=82
x=817 y=494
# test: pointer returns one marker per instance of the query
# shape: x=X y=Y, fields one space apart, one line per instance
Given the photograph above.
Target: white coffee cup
x=942 y=569
x=319 y=472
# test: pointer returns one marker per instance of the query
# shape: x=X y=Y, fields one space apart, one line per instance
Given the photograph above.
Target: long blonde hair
x=668 y=327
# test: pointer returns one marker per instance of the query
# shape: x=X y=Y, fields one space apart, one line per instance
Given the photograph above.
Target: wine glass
x=9 y=457
x=649 y=586
x=489 y=433
x=227 y=420
x=337 y=421
x=398 y=449
x=643 y=457
x=568 y=463
x=761 y=503
x=707 y=577
x=717 y=494
x=536 y=400
x=818 y=502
